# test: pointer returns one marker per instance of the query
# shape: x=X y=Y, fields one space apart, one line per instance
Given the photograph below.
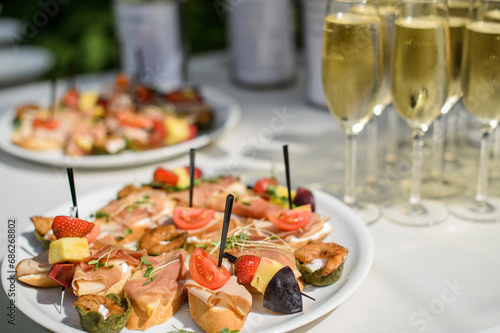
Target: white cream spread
x=103 y=310
x=316 y=264
x=125 y=268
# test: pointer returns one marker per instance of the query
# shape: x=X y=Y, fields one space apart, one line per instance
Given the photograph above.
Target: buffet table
x=442 y=278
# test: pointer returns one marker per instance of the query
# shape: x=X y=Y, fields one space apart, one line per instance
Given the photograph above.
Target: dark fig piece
x=304 y=197
x=282 y=294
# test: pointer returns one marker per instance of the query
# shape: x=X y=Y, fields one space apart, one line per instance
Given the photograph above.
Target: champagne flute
x=419 y=84
x=375 y=189
x=352 y=73
x=436 y=185
x=481 y=96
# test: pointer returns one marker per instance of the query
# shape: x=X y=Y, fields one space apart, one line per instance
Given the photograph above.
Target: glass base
x=376 y=192
x=426 y=214
x=440 y=188
x=368 y=212
x=475 y=211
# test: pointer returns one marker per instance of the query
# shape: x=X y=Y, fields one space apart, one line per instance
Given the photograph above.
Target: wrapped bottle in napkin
x=262 y=42
x=151 y=29
x=312 y=32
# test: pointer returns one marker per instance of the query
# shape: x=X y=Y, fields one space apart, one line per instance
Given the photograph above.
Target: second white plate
x=227 y=115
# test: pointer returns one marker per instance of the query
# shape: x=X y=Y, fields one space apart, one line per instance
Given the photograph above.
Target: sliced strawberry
x=245 y=267
x=197 y=172
x=164 y=176
x=65 y=226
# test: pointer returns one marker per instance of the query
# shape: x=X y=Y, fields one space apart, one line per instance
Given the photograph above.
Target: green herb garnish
x=97 y=264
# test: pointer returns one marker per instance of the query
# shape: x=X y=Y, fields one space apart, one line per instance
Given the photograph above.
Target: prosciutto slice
x=142 y=207
x=163 y=287
x=231 y=295
x=103 y=278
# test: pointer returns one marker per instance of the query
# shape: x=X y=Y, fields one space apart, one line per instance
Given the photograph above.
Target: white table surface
x=443 y=278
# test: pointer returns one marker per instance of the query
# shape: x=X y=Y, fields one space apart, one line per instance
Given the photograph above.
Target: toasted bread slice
x=214 y=319
x=139 y=320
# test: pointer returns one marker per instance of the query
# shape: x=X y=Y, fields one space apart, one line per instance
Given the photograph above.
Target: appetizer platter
x=144 y=257
x=113 y=128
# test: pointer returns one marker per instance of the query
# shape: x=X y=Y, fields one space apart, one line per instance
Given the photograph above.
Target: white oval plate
x=227 y=115
x=349 y=231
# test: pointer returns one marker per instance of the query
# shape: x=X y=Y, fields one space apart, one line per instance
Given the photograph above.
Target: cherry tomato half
x=192 y=218
x=70 y=99
x=51 y=123
x=292 y=219
x=263 y=183
x=158 y=133
x=164 y=176
x=204 y=270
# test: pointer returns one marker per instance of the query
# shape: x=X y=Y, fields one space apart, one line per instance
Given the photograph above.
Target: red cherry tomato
x=122 y=82
x=134 y=120
x=192 y=218
x=204 y=270
x=70 y=99
x=164 y=176
x=51 y=123
x=263 y=183
x=158 y=133
x=292 y=219
x=197 y=172
x=143 y=95
x=192 y=132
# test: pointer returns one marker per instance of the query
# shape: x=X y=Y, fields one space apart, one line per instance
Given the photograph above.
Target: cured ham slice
x=140 y=208
x=232 y=296
x=157 y=296
x=148 y=295
x=105 y=280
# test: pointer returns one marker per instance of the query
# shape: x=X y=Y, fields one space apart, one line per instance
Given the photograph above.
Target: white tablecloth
x=442 y=278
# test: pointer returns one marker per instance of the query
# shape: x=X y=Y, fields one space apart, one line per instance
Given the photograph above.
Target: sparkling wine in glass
x=352 y=69
x=481 y=96
x=419 y=84
x=436 y=184
x=377 y=188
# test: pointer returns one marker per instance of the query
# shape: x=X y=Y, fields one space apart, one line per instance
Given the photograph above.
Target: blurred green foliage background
x=83 y=30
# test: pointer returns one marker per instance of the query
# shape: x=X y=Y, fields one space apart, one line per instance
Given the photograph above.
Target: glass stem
x=392 y=137
x=416 y=168
x=371 y=151
x=438 y=140
x=350 y=171
x=482 y=177
x=451 y=137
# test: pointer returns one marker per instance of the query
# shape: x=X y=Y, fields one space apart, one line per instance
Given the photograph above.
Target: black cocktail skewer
x=225 y=226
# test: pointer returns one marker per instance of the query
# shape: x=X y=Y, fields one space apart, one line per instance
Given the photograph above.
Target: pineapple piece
x=177 y=130
x=68 y=249
x=265 y=271
x=87 y=100
x=183 y=175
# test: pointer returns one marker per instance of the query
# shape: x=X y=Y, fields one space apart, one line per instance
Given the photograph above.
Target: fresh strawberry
x=245 y=267
x=197 y=172
x=164 y=176
x=65 y=226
